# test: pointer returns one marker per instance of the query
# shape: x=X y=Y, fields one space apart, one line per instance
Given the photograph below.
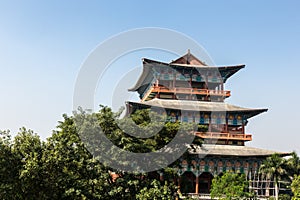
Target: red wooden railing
x=192 y=91
x=225 y=136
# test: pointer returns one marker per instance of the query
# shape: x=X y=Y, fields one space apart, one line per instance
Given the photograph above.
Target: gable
x=189 y=59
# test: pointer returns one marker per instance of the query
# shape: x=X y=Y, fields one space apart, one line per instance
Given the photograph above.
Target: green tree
x=89 y=125
x=70 y=170
x=274 y=168
x=21 y=174
x=28 y=147
x=293 y=165
x=156 y=191
x=284 y=197
x=296 y=187
x=10 y=165
x=230 y=186
x=62 y=167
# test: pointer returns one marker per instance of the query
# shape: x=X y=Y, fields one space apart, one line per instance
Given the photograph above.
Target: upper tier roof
x=203 y=106
x=150 y=65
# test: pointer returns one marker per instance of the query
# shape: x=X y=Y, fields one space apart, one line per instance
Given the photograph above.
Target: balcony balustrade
x=190 y=91
x=225 y=136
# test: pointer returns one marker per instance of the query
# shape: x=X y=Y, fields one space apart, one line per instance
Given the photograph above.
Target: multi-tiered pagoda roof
x=191 y=91
x=188 y=90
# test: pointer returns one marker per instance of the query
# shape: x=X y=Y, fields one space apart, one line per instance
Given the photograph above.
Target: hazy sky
x=43 y=45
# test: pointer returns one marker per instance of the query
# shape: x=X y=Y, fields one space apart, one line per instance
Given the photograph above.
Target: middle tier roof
x=202 y=106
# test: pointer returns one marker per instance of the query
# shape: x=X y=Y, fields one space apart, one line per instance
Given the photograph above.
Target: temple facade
x=188 y=90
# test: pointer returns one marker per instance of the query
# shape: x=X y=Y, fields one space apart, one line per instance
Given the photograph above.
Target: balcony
x=190 y=91
x=224 y=136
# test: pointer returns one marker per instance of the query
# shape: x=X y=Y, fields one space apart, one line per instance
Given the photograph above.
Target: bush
x=284 y=197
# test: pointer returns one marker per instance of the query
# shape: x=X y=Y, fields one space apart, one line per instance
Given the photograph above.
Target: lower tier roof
x=231 y=150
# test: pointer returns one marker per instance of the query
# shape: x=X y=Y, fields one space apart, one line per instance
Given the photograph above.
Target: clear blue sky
x=43 y=44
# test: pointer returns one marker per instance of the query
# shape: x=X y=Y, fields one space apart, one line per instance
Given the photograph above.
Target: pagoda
x=188 y=90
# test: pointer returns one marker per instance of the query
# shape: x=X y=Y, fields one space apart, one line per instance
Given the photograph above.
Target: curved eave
x=227 y=72
x=147 y=74
x=231 y=150
x=198 y=106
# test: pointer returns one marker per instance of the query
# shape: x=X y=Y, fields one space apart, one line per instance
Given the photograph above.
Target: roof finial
x=188 y=57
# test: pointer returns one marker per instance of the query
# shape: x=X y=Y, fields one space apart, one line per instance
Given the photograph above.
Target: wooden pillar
x=206 y=80
x=156 y=82
x=161 y=176
x=226 y=126
x=128 y=109
x=178 y=184
x=197 y=185
x=243 y=126
x=174 y=78
x=209 y=125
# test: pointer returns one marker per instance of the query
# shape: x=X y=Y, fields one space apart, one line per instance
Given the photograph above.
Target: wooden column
x=161 y=176
x=174 y=79
x=243 y=125
x=209 y=125
x=178 y=184
x=226 y=126
x=206 y=80
x=128 y=109
x=197 y=185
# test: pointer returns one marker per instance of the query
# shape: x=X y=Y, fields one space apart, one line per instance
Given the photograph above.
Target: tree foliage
x=230 y=186
x=296 y=187
x=293 y=165
x=62 y=167
x=156 y=191
x=274 y=167
x=10 y=165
